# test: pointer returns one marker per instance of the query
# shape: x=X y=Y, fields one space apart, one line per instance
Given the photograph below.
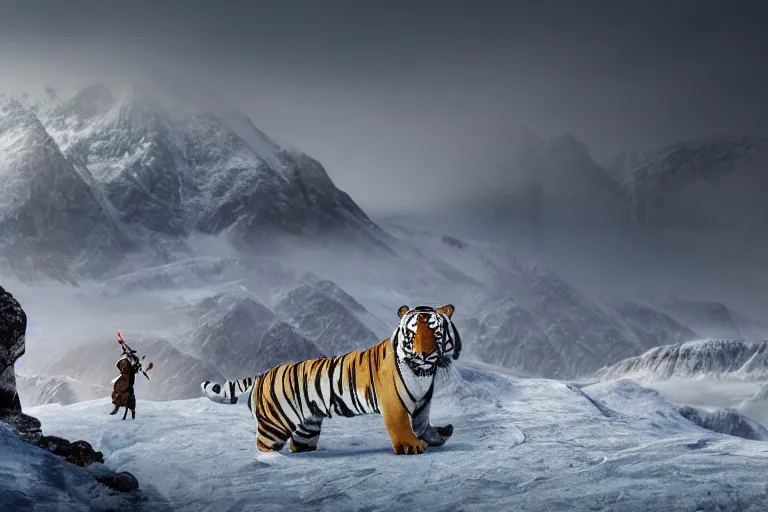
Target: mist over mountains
x=94 y=178
x=221 y=253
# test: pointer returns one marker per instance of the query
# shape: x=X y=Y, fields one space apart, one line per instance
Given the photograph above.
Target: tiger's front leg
x=398 y=423
x=434 y=436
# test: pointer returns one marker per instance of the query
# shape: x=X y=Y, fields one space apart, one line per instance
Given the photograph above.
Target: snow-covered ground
x=519 y=444
x=33 y=479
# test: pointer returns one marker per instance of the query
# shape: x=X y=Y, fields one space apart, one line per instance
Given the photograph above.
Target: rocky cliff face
x=13 y=328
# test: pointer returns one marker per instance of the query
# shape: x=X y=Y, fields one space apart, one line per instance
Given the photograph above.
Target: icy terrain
x=709 y=374
x=33 y=479
x=519 y=444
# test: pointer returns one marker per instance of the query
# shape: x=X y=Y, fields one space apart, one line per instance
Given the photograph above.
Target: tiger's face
x=425 y=338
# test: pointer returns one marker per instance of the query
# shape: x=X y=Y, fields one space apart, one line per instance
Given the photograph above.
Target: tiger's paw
x=410 y=448
x=437 y=436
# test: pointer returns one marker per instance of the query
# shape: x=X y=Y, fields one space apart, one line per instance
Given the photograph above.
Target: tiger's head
x=425 y=338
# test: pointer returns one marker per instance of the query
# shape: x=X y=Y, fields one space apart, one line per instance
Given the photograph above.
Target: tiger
x=394 y=378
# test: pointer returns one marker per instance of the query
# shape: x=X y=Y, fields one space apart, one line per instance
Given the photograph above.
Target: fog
x=500 y=125
x=409 y=97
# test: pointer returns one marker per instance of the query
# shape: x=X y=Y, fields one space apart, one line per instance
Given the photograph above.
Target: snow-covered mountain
x=173 y=166
x=58 y=389
x=715 y=183
x=653 y=326
x=552 y=183
x=243 y=315
x=697 y=188
x=519 y=444
x=719 y=377
x=538 y=323
x=174 y=374
x=50 y=217
x=241 y=336
x=328 y=322
x=736 y=359
x=109 y=172
x=711 y=319
x=162 y=185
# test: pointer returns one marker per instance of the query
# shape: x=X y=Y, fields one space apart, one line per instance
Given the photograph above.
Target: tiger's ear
x=446 y=310
x=402 y=310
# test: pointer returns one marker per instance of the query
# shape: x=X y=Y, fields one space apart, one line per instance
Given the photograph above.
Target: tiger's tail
x=230 y=391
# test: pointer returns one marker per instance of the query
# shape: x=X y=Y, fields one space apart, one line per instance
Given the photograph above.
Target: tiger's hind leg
x=305 y=437
x=266 y=444
x=434 y=436
x=270 y=438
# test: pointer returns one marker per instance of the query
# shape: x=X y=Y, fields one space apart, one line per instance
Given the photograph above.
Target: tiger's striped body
x=394 y=378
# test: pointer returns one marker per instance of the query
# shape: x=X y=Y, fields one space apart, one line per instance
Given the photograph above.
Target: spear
x=132 y=354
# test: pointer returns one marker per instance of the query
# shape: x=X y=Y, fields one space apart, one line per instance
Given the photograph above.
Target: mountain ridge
x=160 y=170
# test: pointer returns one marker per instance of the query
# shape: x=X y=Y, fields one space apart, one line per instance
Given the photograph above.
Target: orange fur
x=290 y=400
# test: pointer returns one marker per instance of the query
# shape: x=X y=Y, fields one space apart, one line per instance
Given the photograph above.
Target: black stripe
x=264 y=405
x=351 y=374
x=456 y=342
x=274 y=404
x=426 y=399
x=305 y=436
x=399 y=373
x=372 y=382
x=341 y=408
x=300 y=388
x=269 y=432
x=299 y=446
x=291 y=402
x=341 y=375
x=333 y=365
x=318 y=388
x=232 y=397
x=401 y=398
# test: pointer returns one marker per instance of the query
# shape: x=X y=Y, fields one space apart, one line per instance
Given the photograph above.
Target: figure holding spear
x=129 y=365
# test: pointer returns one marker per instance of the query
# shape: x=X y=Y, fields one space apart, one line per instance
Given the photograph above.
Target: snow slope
x=708 y=374
x=32 y=478
x=519 y=444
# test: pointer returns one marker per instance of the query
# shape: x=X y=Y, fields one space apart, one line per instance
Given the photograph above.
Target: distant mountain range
x=715 y=184
x=91 y=179
x=124 y=192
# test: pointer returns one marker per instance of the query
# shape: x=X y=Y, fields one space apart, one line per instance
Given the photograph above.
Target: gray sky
x=393 y=93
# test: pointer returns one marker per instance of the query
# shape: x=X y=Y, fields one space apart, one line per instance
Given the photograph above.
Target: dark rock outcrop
x=80 y=453
x=123 y=481
x=13 y=328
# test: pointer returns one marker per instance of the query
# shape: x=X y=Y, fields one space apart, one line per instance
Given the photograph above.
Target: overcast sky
x=395 y=96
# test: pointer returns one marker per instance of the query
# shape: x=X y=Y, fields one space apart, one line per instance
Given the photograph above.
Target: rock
x=123 y=481
x=13 y=328
x=80 y=453
x=25 y=426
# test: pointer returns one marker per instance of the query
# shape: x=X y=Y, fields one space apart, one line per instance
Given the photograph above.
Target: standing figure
x=129 y=365
x=122 y=391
